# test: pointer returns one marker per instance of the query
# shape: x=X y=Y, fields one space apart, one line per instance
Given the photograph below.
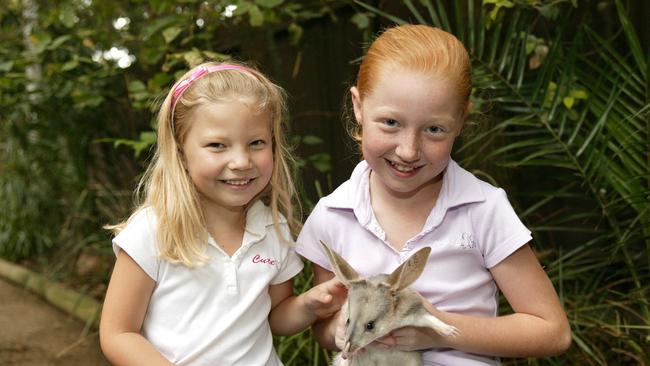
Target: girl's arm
x=325 y=329
x=124 y=309
x=291 y=314
x=538 y=327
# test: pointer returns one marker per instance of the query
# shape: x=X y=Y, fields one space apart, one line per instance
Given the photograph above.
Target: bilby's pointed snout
x=346 y=351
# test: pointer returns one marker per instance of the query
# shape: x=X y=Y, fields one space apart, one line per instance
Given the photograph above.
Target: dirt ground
x=34 y=333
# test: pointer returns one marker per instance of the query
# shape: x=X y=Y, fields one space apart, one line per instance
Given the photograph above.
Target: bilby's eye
x=370 y=325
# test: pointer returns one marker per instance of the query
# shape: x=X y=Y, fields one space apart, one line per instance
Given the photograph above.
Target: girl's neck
x=228 y=215
x=402 y=215
x=226 y=226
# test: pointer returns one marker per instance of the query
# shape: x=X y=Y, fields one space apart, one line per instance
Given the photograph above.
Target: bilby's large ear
x=342 y=269
x=409 y=271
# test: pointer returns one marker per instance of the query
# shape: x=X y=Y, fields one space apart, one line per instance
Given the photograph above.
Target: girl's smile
x=238 y=184
x=401 y=170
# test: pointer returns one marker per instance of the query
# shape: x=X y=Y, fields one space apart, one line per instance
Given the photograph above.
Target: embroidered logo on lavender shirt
x=467 y=241
x=258 y=259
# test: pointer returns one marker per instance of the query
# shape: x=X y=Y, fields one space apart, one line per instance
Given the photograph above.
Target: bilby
x=379 y=304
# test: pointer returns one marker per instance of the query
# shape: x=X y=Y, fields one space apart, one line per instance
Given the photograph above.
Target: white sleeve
x=290 y=267
x=499 y=229
x=291 y=264
x=138 y=240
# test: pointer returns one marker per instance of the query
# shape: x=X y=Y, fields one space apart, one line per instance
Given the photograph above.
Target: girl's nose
x=240 y=160
x=408 y=148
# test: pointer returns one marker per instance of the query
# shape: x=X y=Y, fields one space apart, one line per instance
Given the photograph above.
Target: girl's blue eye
x=390 y=122
x=434 y=129
x=216 y=145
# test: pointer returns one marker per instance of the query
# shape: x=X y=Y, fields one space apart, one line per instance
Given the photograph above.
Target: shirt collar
x=259 y=217
x=459 y=187
x=353 y=194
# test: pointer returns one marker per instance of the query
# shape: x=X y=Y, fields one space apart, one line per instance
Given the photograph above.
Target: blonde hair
x=418 y=48
x=166 y=186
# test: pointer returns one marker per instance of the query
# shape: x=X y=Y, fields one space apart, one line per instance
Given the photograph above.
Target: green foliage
x=565 y=110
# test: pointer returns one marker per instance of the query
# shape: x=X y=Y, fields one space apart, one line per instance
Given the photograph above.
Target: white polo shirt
x=215 y=314
x=471 y=228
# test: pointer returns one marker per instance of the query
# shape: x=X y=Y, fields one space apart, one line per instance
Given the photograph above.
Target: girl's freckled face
x=410 y=122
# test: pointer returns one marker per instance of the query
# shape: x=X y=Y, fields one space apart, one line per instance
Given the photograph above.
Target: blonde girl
x=204 y=265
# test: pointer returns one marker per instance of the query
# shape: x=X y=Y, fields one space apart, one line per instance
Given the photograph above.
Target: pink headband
x=199 y=73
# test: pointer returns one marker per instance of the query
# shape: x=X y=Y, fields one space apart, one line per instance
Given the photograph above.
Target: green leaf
x=312 y=140
x=498 y=4
x=578 y=94
x=151 y=55
x=169 y=34
x=242 y=8
x=531 y=43
x=550 y=95
x=58 y=42
x=568 y=102
x=321 y=161
x=630 y=34
x=40 y=41
x=85 y=100
x=147 y=139
x=6 y=66
x=67 y=17
x=70 y=65
x=159 y=80
x=361 y=20
x=268 y=3
x=138 y=92
x=137 y=86
x=193 y=57
x=375 y=10
x=216 y=56
x=154 y=27
x=295 y=31
x=256 y=17
x=549 y=11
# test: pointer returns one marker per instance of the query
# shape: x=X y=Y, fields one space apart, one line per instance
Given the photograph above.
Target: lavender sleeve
x=500 y=231
x=313 y=231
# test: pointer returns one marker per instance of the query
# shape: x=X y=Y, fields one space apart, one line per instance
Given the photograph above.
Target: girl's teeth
x=401 y=168
x=238 y=182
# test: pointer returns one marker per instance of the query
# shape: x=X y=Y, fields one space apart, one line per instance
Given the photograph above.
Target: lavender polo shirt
x=472 y=228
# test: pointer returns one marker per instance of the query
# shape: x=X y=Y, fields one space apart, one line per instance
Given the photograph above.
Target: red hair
x=417 y=48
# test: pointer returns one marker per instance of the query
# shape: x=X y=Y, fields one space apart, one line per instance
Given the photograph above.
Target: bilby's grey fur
x=379 y=304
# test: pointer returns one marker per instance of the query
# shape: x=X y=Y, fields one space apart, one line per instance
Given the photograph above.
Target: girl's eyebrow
x=442 y=120
x=210 y=136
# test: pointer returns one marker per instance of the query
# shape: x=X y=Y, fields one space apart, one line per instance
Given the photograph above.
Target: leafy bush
x=561 y=93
